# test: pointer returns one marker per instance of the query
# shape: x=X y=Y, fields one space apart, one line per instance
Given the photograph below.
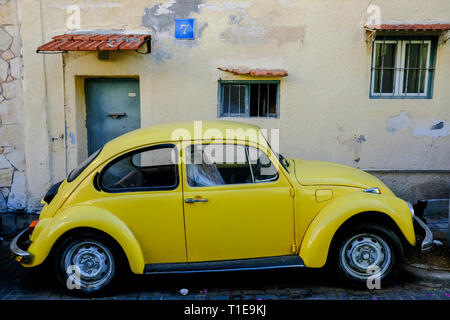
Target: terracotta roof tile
x=101 y=37
x=90 y=42
x=53 y=45
x=63 y=36
x=90 y=45
x=110 y=45
x=70 y=45
x=256 y=72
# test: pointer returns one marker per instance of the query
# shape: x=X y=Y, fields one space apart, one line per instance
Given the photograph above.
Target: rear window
x=76 y=172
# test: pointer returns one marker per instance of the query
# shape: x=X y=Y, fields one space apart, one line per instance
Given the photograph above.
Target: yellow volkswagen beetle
x=213 y=196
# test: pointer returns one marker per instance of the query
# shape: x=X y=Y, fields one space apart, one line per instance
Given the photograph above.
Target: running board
x=292 y=261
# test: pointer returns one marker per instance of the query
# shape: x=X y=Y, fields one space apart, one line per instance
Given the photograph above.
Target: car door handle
x=190 y=200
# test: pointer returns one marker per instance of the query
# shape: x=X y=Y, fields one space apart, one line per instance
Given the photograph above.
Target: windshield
x=76 y=172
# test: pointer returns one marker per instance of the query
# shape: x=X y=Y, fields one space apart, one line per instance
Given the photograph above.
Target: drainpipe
x=64 y=111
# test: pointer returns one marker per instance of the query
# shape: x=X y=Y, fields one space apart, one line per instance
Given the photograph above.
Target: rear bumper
x=17 y=248
x=427 y=242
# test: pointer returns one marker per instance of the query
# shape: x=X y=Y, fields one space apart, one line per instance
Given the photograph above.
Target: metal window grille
x=402 y=67
x=249 y=99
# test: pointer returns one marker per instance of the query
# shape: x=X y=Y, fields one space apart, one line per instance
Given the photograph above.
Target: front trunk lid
x=311 y=173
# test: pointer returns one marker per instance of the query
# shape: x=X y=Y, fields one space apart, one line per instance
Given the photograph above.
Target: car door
x=233 y=210
x=112 y=109
x=143 y=188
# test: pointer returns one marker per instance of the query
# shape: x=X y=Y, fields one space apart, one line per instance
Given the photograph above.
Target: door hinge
x=294 y=248
x=292 y=192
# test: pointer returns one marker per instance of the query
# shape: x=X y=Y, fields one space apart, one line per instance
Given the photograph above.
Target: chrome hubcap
x=94 y=261
x=365 y=254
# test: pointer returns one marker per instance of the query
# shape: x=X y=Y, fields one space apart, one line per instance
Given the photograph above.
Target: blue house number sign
x=184 y=28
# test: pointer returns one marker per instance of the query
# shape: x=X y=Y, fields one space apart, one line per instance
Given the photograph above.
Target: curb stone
x=429 y=277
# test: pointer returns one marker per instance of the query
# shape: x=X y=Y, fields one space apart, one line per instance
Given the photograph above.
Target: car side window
x=152 y=168
x=221 y=164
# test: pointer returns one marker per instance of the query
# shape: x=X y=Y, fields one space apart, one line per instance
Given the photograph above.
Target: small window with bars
x=249 y=99
x=402 y=67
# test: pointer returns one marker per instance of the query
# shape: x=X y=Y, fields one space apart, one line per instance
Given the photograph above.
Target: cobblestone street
x=17 y=282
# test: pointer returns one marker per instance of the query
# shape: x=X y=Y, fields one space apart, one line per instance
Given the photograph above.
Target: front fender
x=49 y=230
x=316 y=242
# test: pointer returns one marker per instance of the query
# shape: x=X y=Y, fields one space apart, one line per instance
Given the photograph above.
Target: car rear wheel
x=88 y=263
x=369 y=256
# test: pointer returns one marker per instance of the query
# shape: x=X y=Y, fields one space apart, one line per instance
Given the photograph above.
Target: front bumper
x=427 y=242
x=16 y=248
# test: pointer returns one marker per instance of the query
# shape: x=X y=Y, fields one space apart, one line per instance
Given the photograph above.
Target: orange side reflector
x=33 y=224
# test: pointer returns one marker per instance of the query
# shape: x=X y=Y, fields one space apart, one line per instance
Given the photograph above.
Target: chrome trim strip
x=411 y=208
x=427 y=242
x=15 y=251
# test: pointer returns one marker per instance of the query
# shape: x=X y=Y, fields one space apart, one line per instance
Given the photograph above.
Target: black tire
x=348 y=262
x=97 y=256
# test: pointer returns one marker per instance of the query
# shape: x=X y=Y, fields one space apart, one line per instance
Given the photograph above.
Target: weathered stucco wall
x=13 y=195
x=325 y=110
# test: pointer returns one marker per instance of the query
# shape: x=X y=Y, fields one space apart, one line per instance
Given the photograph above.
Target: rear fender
x=49 y=230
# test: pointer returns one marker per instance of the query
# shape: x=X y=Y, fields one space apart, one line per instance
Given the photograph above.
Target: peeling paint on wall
x=243 y=30
x=249 y=31
x=437 y=129
x=160 y=51
x=160 y=17
x=244 y=34
x=199 y=30
x=397 y=123
x=354 y=144
x=72 y=138
x=284 y=34
x=437 y=126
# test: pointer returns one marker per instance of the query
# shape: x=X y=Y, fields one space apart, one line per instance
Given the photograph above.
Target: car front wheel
x=369 y=256
x=87 y=263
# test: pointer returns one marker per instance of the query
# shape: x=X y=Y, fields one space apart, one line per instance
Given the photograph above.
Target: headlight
x=411 y=208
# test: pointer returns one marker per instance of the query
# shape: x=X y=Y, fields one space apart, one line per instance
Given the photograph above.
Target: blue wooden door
x=112 y=109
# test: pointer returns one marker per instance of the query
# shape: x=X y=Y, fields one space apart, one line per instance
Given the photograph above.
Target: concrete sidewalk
x=436 y=215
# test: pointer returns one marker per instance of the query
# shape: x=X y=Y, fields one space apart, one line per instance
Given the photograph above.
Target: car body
x=146 y=198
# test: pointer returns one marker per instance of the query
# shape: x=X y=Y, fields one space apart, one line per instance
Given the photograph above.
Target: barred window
x=248 y=98
x=402 y=67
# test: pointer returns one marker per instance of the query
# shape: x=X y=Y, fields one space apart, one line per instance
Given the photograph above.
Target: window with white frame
x=402 y=67
x=249 y=98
